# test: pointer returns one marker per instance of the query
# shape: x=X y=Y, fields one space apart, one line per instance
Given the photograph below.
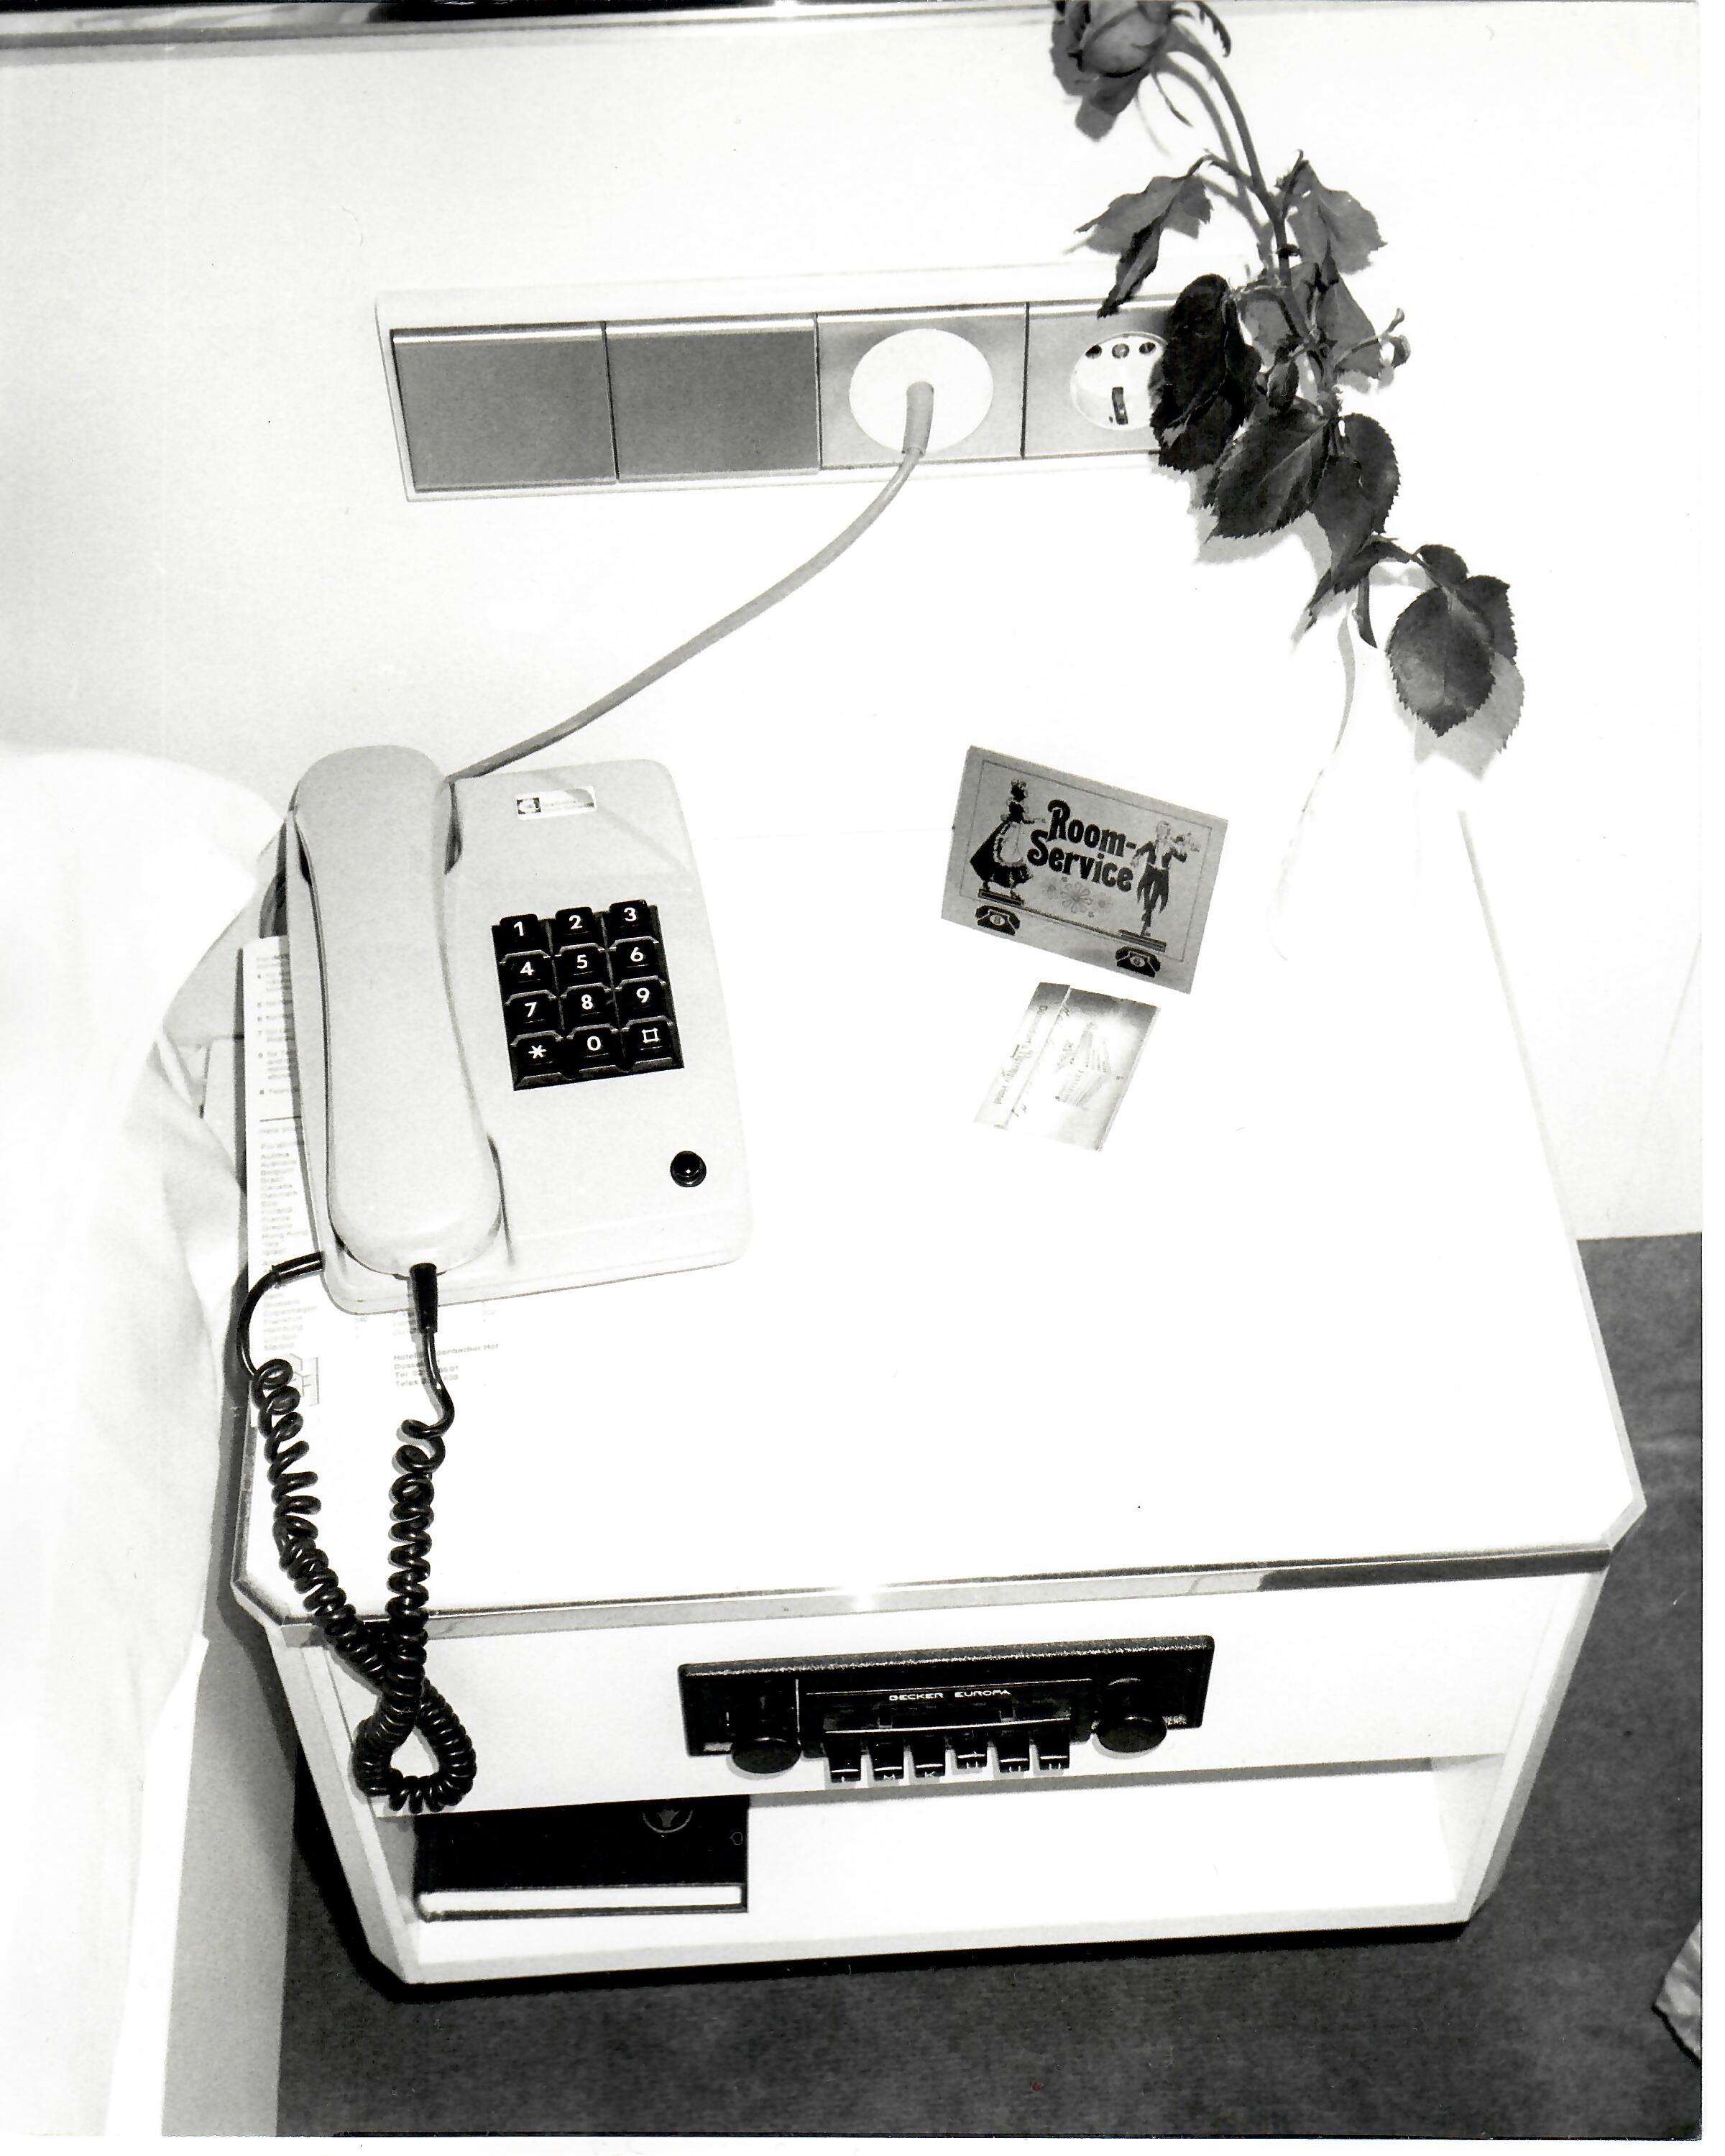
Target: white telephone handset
x=409 y=1173
x=510 y=1041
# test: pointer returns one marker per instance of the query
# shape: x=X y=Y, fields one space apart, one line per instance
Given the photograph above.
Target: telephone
x=513 y=1075
x=510 y=1041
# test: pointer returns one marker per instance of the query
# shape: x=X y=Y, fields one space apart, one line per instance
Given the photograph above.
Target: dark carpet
x=1535 y=2021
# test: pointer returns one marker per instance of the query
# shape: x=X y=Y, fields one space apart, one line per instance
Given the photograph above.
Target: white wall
x=209 y=552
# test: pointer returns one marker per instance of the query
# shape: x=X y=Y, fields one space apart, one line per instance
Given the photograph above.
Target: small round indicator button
x=688 y=1168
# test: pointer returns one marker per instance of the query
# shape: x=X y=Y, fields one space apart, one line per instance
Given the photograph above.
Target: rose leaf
x=1326 y=222
x=1441 y=656
x=1269 y=472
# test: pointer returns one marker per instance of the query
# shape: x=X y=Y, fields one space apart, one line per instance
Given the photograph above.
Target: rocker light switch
x=698 y=400
x=505 y=408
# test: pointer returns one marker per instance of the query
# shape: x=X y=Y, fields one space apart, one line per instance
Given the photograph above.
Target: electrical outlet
x=1087 y=381
x=998 y=333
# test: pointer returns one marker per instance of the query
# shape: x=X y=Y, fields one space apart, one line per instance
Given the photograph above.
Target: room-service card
x=1114 y=878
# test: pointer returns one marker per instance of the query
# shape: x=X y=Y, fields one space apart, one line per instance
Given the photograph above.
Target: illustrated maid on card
x=999 y=860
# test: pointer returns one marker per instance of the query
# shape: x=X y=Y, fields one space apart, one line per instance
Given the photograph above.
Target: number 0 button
x=591 y=1052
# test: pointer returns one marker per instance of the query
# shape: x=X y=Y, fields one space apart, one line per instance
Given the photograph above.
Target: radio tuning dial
x=1126 y=1719
x=763 y=1736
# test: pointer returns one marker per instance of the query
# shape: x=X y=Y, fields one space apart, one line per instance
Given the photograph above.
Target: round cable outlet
x=962 y=380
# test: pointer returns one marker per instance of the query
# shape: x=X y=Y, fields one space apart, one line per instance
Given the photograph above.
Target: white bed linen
x=119 y=1218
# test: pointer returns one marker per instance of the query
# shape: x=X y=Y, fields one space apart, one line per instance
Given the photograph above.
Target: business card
x=1092 y=872
x=1068 y=1069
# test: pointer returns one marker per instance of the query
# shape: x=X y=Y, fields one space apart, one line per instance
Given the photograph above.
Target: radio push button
x=928 y=1756
x=1012 y=1748
x=887 y=1756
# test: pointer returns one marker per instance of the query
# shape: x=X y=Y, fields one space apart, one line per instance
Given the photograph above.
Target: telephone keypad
x=601 y=1008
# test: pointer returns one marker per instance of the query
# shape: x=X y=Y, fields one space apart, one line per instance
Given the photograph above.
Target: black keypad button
x=641 y=1000
x=632 y=916
x=535 y=1013
x=522 y=932
x=592 y=1052
x=590 y=1006
x=637 y=957
x=651 y=1045
x=582 y=968
x=526 y=973
x=576 y=924
x=536 y=1061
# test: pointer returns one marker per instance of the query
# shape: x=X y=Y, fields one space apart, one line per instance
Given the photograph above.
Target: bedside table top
x=1313 y=1302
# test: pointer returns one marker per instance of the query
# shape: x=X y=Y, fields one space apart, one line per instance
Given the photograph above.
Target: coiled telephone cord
x=390 y=1654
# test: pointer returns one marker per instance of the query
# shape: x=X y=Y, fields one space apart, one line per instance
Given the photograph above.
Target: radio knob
x=1127 y=1720
x=763 y=1737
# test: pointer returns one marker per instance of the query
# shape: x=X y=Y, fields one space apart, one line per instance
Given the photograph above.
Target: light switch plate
x=667 y=385
x=696 y=400
x=505 y=408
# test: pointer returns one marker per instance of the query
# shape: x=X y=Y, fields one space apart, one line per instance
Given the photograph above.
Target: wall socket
x=557 y=406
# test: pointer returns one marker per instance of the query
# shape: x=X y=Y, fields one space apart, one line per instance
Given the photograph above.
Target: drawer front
x=1311 y=1677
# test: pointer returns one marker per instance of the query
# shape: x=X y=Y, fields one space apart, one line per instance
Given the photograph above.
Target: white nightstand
x=1301 y=1363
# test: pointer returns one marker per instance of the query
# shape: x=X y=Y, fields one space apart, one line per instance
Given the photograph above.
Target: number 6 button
x=636 y=959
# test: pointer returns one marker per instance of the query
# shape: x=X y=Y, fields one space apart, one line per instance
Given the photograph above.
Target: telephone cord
x=919 y=418
x=390 y=1654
